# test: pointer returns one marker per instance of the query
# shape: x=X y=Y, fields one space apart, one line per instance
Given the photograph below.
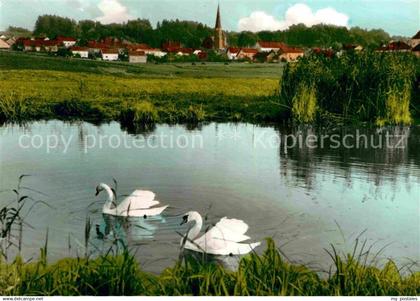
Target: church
x=219 y=37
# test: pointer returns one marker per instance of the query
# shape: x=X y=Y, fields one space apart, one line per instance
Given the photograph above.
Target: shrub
x=140 y=114
x=373 y=87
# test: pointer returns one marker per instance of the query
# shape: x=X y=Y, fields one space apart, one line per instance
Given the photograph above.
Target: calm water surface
x=305 y=197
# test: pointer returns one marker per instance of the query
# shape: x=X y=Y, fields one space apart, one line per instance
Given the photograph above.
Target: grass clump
x=195 y=114
x=367 y=86
x=304 y=104
x=139 y=116
x=257 y=275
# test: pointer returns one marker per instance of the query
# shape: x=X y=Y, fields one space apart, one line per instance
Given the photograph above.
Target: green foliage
x=304 y=103
x=52 y=26
x=141 y=114
x=315 y=36
x=195 y=35
x=195 y=114
x=373 y=87
x=265 y=275
x=13 y=31
x=98 y=91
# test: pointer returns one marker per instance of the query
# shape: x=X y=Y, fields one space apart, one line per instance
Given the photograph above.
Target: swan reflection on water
x=130 y=230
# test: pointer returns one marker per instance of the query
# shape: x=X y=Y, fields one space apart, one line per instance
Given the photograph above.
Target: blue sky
x=398 y=17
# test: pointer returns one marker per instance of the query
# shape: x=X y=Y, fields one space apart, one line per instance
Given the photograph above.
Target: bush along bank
x=379 y=88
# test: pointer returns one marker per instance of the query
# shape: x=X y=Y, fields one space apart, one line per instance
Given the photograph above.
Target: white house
x=155 y=52
x=110 y=54
x=67 y=41
x=269 y=46
x=83 y=52
x=137 y=57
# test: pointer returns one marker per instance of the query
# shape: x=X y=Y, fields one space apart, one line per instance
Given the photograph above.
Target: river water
x=283 y=182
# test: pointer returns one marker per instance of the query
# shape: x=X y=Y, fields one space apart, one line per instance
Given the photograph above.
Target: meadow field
x=42 y=87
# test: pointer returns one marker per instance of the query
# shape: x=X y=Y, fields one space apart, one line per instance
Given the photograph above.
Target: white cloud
x=298 y=13
x=113 y=12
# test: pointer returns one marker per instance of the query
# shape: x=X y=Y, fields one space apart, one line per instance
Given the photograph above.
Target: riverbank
x=38 y=87
x=265 y=275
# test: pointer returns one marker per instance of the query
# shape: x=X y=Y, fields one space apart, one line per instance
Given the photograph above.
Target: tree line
x=195 y=34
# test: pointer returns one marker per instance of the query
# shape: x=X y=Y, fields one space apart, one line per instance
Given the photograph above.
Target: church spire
x=219 y=38
x=218 y=19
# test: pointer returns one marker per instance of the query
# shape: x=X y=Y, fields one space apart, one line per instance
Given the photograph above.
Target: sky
x=397 y=17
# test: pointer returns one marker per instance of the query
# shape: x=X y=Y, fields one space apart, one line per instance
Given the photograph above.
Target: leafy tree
x=247 y=39
x=53 y=26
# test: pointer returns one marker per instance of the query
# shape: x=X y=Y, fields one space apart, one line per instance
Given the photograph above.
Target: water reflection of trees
x=390 y=161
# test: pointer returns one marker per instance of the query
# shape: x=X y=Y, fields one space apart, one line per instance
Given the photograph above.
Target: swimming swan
x=223 y=239
x=139 y=203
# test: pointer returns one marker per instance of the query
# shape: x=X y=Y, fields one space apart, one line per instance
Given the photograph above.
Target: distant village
x=113 y=49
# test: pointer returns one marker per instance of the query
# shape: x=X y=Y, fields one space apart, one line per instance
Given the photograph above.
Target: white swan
x=223 y=239
x=139 y=203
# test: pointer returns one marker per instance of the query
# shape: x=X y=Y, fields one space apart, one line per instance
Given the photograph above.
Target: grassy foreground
x=267 y=274
x=38 y=87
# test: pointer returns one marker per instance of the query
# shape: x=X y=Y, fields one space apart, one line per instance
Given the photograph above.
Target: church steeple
x=218 y=19
x=219 y=35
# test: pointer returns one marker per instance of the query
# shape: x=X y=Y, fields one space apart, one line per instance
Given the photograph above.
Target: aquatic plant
x=142 y=113
x=304 y=104
x=368 y=86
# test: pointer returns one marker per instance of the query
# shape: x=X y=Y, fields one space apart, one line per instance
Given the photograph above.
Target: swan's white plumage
x=138 y=203
x=223 y=239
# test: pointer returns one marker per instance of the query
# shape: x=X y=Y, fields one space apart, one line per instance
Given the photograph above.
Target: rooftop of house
x=416 y=36
x=138 y=46
x=77 y=48
x=268 y=44
x=249 y=50
x=3 y=44
x=395 y=46
x=417 y=48
x=65 y=39
x=109 y=51
x=233 y=49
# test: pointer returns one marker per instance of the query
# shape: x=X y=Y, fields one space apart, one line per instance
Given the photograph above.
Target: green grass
x=34 y=61
x=267 y=275
x=370 y=87
x=39 y=87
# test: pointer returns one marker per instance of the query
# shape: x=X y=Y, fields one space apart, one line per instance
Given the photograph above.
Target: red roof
x=265 y=44
x=77 y=48
x=138 y=46
x=233 y=49
x=109 y=51
x=202 y=55
x=395 y=46
x=67 y=39
x=326 y=52
x=289 y=49
x=249 y=50
x=51 y=43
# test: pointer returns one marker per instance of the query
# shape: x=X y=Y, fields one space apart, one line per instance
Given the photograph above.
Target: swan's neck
x=195 y=230
x=109 y=204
